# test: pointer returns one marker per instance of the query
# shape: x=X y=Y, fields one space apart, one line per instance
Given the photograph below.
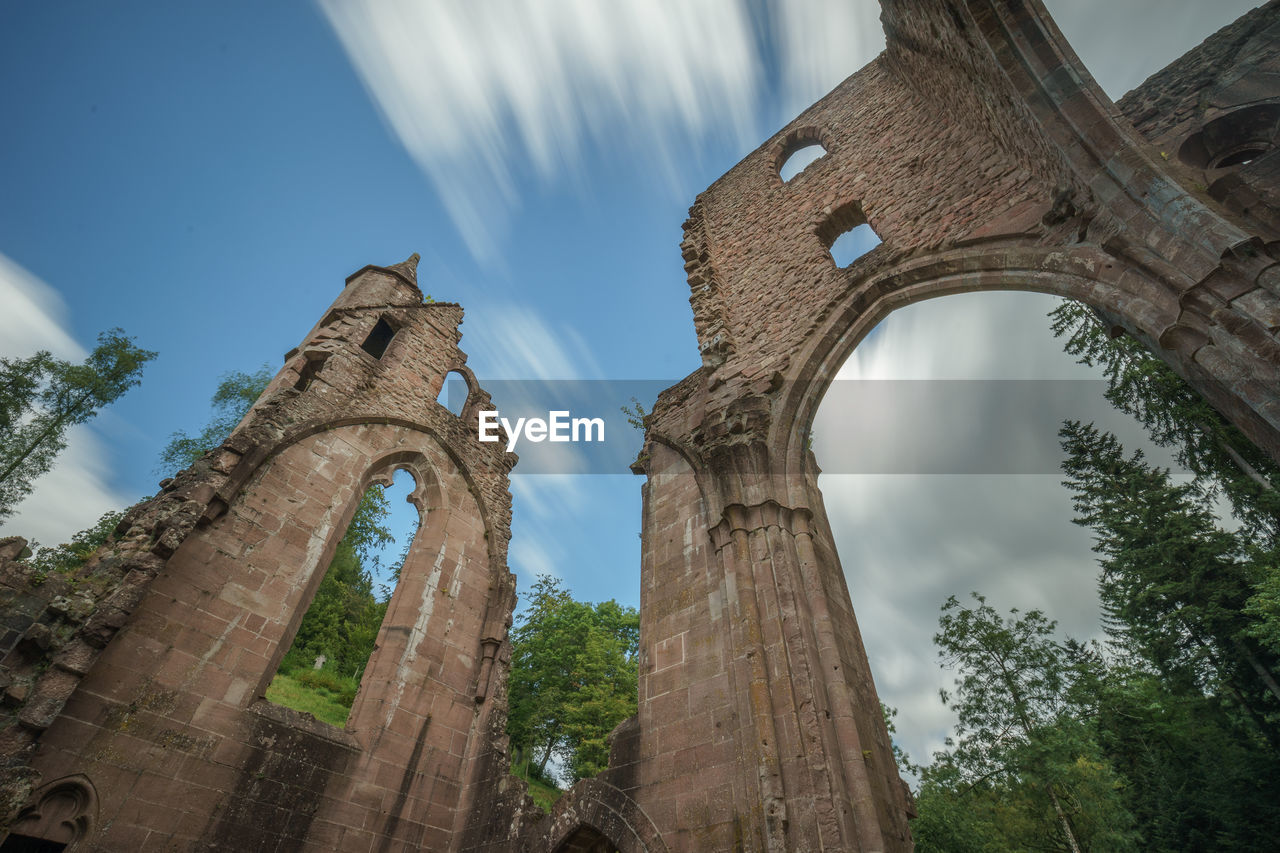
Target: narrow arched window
x=454 y=392
x=846 y=235
x=324 y=666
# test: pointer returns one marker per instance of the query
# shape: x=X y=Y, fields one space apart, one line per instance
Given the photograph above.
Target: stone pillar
x=748 y=638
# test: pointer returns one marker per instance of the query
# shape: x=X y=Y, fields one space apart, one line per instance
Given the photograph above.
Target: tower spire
x=408 y=267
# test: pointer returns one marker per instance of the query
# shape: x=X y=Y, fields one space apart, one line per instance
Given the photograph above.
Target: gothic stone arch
x=160 y=693
x=62 y=812
x=983 y=155
x=979 y=150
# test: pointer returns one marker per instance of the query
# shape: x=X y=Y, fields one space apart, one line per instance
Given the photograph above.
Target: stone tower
x=165 y=740
x=984 y=156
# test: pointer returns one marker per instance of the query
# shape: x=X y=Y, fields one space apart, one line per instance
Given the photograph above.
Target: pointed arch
x=595 y=816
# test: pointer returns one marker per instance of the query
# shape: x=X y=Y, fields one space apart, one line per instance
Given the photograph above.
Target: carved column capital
x=761 y=516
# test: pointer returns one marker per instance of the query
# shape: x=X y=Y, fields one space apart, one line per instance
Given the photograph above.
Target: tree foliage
x=41 y=397
x=236 y=393
x=573 y=678
x=1022 y=733
x=1173 y=722
x=344 y=617
x=72 y=555
x=1176 y=416
x=1174 y=585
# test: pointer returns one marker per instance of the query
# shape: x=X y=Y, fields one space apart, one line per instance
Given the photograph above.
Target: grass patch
x=324 y=701
x=544 y=794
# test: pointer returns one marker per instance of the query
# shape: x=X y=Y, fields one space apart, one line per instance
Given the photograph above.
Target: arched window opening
x=1242 y=157
x=379 y=339
x=586 y=839
x=853 y=244
x=321 y=672
x=930 y=391
x=847 y=235
x=800 y=159
x=1235 y=139
x=454 y=392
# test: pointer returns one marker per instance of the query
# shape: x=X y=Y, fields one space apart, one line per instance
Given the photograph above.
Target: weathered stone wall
x=984 y=157
x=981 y=153
x=167 y=724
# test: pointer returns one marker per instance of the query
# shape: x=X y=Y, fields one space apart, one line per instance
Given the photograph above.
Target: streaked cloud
x=76 y=491
x=479 y=93
x=821 y=42
x=482 y=94
x=34 y=316
x=513 y=341
x=530 y=558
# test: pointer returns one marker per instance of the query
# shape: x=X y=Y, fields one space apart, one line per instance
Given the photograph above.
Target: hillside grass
x=544 y=793
x=324 y=695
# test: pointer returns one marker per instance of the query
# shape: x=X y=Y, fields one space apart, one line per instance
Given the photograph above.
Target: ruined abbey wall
x=983 y=156
x=166 y=729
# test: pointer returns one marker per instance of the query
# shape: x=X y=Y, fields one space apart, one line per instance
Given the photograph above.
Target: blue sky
x=205 y=175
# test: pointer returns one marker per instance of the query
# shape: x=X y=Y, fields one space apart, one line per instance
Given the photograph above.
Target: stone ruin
x=982 y=154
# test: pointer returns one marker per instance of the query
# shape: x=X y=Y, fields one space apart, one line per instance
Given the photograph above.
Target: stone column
x=760 y=595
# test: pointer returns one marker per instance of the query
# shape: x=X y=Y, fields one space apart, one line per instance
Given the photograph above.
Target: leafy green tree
x=41 y=397
x=573 y=678
x=958 y=815
x=236 y=393
x=1188 y=701
x=1196 y=778
x=1020 y=730
x=20 y=381
x=72 y=555
x=606 y=674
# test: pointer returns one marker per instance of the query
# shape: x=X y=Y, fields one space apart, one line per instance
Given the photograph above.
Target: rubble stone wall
x=154 y=700
x=983 y=156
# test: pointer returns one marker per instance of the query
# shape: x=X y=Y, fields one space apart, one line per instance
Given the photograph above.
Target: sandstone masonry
x=982 y=154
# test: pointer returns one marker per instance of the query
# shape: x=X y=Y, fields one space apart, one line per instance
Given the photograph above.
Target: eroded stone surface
x=982 y=156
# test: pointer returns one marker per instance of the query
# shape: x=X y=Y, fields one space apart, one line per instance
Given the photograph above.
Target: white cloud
x=76 y=491
x=548 y=496
x=820 y=43
x=33 y=316
x=907 y=541
x=511 y=341
x=530 y=558
x=73 y=495
x=480 y=92
x=996 y=335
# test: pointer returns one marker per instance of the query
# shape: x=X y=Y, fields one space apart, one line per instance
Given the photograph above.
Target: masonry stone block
x=983 y=157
